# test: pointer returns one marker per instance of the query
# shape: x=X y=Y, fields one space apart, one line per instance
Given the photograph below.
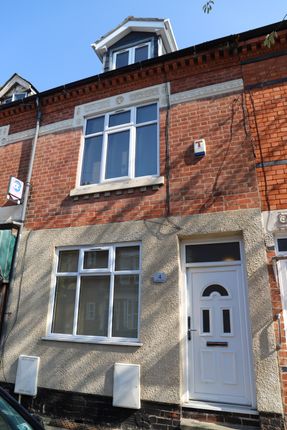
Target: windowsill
x=117 y=185
x=84 y=339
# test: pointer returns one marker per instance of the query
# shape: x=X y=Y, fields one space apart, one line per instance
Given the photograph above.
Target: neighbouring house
x=149 y=274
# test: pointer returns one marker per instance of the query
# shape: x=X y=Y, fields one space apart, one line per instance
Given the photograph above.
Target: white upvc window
x=95 y=295
x=131 y=55
x=121 y=145
x=14 y=97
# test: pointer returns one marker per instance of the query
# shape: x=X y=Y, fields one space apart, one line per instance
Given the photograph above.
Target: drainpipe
x=31 y=162
x=27 y=185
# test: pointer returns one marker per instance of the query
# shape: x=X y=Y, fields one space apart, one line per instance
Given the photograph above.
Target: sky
x=48 y=42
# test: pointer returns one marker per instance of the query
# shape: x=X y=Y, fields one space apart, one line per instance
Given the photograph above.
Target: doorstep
x=188 y=424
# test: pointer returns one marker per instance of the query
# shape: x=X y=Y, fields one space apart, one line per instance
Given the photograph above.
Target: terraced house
x=143 y=269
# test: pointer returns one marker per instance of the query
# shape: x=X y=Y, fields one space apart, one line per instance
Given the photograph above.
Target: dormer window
x=14 y=97
x=133 y=41
x=16 y=88
x=131 y=55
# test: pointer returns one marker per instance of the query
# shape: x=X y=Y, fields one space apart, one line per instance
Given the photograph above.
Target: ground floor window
x=96 y=292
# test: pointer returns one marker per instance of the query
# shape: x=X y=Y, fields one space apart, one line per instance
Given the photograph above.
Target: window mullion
x=131 y=55
x=111 y=297
x=77 y=298
x=132 y=144
x=104 y=151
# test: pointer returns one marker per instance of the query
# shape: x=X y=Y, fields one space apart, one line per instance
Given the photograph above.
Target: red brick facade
x=243 y=131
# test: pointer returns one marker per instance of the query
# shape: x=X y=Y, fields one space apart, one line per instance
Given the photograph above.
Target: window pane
x=120 y=118
x=95 y=125
x=282 y=245
x=96 y=259
x=64 y=305
x=68 y=261
x=141 y=53
x=19 y=96
x=92 y=160
x=118 y=155
x=226 y=321
x=147 y=113
x=146 y=151
x=127 y=258
x=122 y=59
x=125 y=311
x=205 y=321
x=213 y=252
x=94 y=306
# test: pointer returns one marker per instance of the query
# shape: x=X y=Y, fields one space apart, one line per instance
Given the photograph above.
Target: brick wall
x=223 y=180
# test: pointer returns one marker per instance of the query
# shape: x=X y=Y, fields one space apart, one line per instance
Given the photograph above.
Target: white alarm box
x=199 y=147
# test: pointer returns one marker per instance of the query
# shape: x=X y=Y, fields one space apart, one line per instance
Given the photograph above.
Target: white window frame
x=131 y=51
x=281 y=269
x=13 y=97
x=109 y=339
x=108 y=130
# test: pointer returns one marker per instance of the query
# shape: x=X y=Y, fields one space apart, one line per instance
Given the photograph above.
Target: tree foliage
x=207 y=7
x=269 y=39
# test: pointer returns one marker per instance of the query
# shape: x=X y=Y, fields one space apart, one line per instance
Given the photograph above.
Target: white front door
x=219 y=368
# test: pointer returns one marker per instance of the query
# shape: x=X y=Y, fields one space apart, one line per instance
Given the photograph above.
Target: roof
x=159 y=26
x=16 y=79
x=195 y=49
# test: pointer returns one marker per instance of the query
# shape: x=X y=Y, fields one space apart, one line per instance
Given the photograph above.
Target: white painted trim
x=117 y=185
x=29 y=134
x=156 y=93
x=161 y=28
x=207 y=91
x=85 y=339
x=4 y=131
x=16 y=79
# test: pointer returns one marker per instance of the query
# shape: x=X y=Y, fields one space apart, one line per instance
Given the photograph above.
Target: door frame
x=186 y=400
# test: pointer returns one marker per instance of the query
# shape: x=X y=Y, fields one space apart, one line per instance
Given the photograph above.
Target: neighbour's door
x=218 y=364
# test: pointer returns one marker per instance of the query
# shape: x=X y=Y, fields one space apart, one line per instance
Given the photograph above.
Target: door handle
x=189 y=330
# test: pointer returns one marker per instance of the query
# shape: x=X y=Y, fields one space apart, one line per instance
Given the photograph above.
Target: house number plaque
x=159 y=277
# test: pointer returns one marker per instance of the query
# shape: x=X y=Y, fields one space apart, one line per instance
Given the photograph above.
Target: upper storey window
x=131 y=55
x=13 y=97
x=121 y=145
x=135 y=40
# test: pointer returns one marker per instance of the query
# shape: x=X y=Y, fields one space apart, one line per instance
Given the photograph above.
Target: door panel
x=219 y=369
